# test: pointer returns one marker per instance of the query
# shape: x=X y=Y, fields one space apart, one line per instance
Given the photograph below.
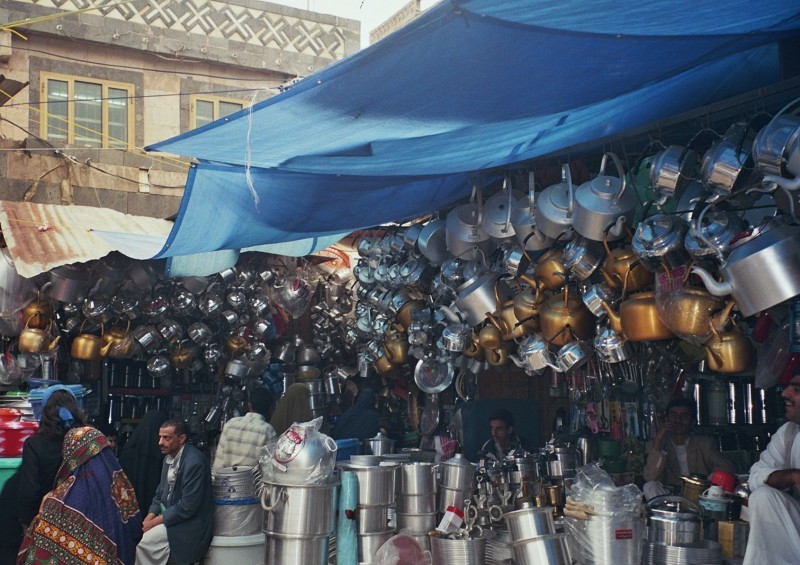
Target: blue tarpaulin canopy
x=403 y=127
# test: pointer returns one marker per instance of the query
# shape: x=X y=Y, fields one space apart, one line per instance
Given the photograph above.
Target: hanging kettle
x=523 y=220
x=604 y=204
x=554 y=211
x=465 y=237
x=497 y=210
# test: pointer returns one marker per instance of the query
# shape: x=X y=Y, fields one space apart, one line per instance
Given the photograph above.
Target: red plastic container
x=13 y=434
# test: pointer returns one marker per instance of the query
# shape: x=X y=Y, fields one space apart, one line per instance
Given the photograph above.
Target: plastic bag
x=300 y=455
x=402 y=549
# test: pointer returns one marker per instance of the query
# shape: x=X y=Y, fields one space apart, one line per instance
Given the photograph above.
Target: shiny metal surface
x=299 y=510
x=530 y=523
x=376 y=485
x=551 y=549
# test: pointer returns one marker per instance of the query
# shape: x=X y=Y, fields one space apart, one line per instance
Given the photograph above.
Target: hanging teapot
x=712 y=233
x=116 y=336
x=726 y=160
x=638 y=318
x=659 y=243
x=38 y=313
x=604 y=204
x=554 y=211
x=465 y=236
x=550 y=268
x=523 y=219
x=527 y=304
x=672 y=169
x=37 y=340
x=86 y=346
x=564 y=317
x=728 y=352
x=497 y=211
x=776 y=149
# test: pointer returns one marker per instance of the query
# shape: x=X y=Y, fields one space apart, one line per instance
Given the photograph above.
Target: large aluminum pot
x=551 y=549
x=673 y=520
x=672 y=169
x=432 y=242
x=417 y=478
x=376 y=485
x=69 y=283
x=379 y=445
x=308 y=550
x=299 y=510
x=530 y=522
x=725 y=163
x=457 y=473
x=603 y=204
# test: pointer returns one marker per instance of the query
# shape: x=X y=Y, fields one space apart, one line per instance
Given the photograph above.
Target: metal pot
x=717 y=228
x=673 y=520
x=582 y=257
x=457 y=473
x=379 y=445
x=726 y=160
x=530 y=522
x=416 y=479
x=603 y=204
x=761 y=270
x=550 y=268
x=611 y=347
x=776 y=148
x=554 y=211
x=533 y=355
x=671 y=170
x=479 y=295
x=376 y=485
x=68 y=283
x=432 y=242
x=303 y=510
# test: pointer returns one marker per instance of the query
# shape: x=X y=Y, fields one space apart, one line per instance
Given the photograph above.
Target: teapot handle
x=620 y=173
x=510 y=202
x=531 y=192
x=566 y=176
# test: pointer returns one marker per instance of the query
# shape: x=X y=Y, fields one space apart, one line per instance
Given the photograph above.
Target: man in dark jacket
x=180 y=519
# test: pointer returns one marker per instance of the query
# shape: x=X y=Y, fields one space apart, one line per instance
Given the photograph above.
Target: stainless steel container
x=530 y=522
x=308 y=550
x=416 y=523
x=551 y=549
x=372 y=519
x=461 y=551
x=457 y=473
x=452 y=497
x=368 y=546
x=376 y=485
x=417 y=479
x=299 y=510
x=416 y=503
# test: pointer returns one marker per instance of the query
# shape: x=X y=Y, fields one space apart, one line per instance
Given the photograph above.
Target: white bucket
x=241 y=550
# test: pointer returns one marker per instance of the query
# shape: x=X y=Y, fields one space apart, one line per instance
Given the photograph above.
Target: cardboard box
x=732 y=536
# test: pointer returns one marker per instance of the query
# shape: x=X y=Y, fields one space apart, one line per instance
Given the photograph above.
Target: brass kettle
x=527 y=304
x=38 y=313
x=395 y=347
x=86 y=346
x=622 y=267
x=689 y=312
x=37 y=340
x=638 y=318
x=564 y=318
x=115 y=337
x=728 y=352
x=550 y=269
x=181 y=356
x=505 y=317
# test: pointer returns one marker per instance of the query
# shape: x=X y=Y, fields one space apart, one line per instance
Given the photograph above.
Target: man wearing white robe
x=774 y=505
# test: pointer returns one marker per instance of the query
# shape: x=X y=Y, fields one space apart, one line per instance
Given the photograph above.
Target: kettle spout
x=616 y=230
x=614 y=319
x=787 y=184
x=611 y=280
x=712 y=285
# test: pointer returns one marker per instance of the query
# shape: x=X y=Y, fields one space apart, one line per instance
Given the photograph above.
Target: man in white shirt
x=243 y=436
x=773 y=506
x=676 y=452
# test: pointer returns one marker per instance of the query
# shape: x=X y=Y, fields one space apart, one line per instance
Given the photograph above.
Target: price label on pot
x=290 y=444
x=623 y=534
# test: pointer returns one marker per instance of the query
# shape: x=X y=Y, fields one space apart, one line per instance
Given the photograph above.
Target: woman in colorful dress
x=91 y=515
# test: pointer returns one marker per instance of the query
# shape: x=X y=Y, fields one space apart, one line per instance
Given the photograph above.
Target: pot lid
x=674 y=508
x=458 y=460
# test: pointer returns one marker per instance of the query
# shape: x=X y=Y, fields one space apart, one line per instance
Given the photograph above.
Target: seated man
x=242 y=437
x=773 y=506
x=503 y=440
x=675 y=452
x=180 y=521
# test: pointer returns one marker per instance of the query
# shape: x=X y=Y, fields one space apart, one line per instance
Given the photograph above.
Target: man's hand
x=784 y=479
x=151 y=521
x=663 y=431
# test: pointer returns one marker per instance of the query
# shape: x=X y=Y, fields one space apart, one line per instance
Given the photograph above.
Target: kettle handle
x=620 y=173
x=510 y=201
x=531 y=192
x=566 y=176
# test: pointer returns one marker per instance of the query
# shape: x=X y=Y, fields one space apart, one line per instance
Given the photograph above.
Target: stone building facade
x=104 y=82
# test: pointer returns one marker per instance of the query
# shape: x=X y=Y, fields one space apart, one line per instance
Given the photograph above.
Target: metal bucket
x=416 y=503
x=452 y=497
x=462 y=551
x=376 y=485
x=550 y=549
x=417 y=479
x=305 y=550
x=299 y=510
x=368 y=546
x=529 y=523
x=238 y=519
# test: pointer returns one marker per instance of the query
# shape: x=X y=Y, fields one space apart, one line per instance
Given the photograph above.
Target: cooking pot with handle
x=673 y=520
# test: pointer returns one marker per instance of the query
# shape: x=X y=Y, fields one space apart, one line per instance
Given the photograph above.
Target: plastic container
x=13 y=435
x=346 y=448
x=242 y=550
x=8 y=465
x=36 y=394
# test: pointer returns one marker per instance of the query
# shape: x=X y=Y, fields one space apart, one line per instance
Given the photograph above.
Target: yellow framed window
x=86 y=112
x=206 y=109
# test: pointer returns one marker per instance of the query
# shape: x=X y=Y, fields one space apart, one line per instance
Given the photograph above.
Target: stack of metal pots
x=534 y=540
x=456 y=483
x=376 y=496
x=236 y=508
x=299 y=521
x=466 y=551
x=416 y=501
x=316 y=396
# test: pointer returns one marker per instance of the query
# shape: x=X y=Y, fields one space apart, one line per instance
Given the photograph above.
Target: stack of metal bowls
x=299 y=521
x=376 y=496
x=466 y=551
x=534 y=540
x=703 y=552
x=416 y=501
